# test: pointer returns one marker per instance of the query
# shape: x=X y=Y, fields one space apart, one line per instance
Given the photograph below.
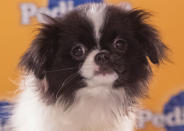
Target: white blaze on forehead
x=96 y=14
x=125 y=6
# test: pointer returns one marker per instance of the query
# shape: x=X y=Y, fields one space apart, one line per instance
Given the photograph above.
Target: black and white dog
x=86 y=70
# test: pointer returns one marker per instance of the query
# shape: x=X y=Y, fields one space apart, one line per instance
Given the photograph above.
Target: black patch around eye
x=51 y=60
x=131 y=65
x=78 y=51
x=120 y=45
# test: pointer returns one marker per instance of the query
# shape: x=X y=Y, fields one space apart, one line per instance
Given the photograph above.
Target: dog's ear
x=37 y=58
x=148 y=36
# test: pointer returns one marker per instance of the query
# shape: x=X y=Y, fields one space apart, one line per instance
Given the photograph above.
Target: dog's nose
x=102 y=58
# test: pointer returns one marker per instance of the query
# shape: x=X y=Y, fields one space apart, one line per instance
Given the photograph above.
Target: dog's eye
x=120 y=45
x=78 y=51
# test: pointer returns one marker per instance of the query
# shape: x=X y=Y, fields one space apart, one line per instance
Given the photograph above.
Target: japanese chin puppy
x=86 y=70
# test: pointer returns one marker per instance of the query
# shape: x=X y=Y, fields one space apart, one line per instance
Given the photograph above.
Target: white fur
x=89 y=66
x=125 y=6
x=88 y=71
x=96 y=109
x=96 y=14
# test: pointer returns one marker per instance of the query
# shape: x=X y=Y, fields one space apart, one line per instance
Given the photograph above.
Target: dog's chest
x=92 y=111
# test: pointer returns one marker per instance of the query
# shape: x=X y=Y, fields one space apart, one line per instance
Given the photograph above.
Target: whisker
x=66 y=81
x=61 y=69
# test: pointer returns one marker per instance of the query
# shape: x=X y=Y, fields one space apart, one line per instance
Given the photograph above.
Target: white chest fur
x=95 y=109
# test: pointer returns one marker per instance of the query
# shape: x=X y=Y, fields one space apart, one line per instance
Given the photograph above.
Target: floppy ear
x=148 y=37
x=37 y=58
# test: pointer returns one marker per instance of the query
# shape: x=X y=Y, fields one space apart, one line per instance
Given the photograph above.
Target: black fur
x=49 y=56
x=143 y=41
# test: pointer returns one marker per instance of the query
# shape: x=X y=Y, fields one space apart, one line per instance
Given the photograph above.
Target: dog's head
x=94 y=45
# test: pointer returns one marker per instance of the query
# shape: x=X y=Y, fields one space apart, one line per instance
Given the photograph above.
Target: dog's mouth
x=104 y=70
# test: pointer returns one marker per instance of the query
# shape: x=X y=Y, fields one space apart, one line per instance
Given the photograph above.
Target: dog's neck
x=94 y=109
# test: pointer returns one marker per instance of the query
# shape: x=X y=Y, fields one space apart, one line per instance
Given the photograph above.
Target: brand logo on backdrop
x=55 y=8
x=4 y=114
x=172 y=118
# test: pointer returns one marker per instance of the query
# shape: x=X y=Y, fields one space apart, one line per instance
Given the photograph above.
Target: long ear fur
x=148 y=36
x=37 y=56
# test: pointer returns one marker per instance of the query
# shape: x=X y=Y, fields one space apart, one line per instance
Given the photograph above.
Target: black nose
x=102 y=58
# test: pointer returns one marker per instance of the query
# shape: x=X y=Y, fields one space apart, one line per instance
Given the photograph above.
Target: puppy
x=85 y=71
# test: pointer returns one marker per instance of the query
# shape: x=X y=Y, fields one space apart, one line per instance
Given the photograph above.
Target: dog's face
x=94 y=45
